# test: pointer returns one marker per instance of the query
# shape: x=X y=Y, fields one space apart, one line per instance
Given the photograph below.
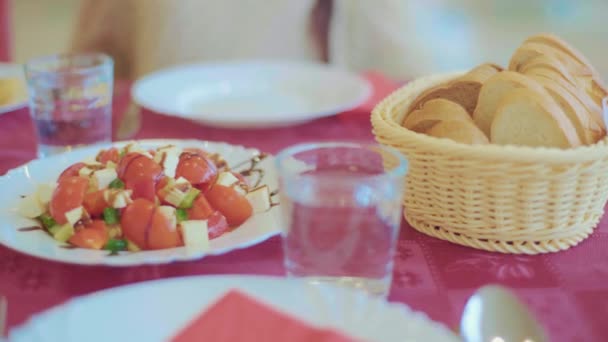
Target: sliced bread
x=548 y=62
x=434 y=111
x=527 y=118
x=461 y=131
x=494 y=90
x=594 y=110
x=584 y=74
x=463 y=90
x=530 y=50
x=589 y=132
x=562 y=45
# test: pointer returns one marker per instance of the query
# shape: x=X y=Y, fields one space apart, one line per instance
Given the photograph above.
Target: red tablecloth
x=568 y=291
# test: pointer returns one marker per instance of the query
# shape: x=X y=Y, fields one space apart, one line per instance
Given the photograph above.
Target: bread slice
x=463 y=90
x=560 y=44
x=589 y=132
x=548 y=62
x=527 y=118
x=434 y=111
x=460 y=131
x=494 y=90
x=594 y=110
x=584 y=74
x=530 y=50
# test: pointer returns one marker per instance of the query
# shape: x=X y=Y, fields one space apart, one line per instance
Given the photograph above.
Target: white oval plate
x=23 y=180
x=9 y=70
x=251 y=94
x=157 y=310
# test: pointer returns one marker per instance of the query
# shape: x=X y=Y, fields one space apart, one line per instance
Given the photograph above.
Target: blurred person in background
x=400 y=38
x=145 y=35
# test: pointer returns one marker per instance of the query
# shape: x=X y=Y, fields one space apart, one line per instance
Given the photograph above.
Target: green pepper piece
x=110 y=216
x=116 y=184
x=116 y=245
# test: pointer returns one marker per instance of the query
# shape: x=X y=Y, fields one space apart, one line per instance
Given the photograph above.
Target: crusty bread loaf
x=494 y=90
x=463 y=90
x=461 y=131
x=587 y=129
x=434 y=111
x=594 y=110
x=527 y=118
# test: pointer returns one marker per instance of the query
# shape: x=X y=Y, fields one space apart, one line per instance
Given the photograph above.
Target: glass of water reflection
x=341 y=209
x=70 y=99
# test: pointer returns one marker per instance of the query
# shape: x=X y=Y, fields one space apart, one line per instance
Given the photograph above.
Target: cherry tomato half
x=217 y=225
x=135 y=220
x=112 y=155
x=135 y=166
x=148 y=227
x=163 y=232
x=89 y=238
x=95 y=202
x=71 y=171
x=197 y=169
x=68 y=195
x=98 y=225
x=234 y=206
x=201 y=209
x=142 y=188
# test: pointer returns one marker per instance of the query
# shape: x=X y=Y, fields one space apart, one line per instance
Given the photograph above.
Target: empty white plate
x=254 y=94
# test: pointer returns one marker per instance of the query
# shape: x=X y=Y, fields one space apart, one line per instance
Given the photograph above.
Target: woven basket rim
x=583 y=153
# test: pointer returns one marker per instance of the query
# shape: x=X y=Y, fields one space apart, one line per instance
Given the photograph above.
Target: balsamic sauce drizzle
x=30 y=229
x=253 y=168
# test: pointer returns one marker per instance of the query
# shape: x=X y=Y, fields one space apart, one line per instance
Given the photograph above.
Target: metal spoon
x=495 y=314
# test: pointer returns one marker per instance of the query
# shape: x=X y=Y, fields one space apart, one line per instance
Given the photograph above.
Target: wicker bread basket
x=498 y=198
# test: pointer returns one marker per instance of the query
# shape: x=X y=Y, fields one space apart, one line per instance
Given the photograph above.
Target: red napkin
x=238 y=317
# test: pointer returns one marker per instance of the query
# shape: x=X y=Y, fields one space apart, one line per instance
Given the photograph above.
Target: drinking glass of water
x=341 y=209
x=70 y=99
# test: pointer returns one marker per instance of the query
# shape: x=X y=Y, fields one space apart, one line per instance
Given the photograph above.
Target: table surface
x=568 y=291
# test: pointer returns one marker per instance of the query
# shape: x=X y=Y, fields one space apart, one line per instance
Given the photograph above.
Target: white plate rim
x=290 y=118
x=148 y=257
x=408 y=316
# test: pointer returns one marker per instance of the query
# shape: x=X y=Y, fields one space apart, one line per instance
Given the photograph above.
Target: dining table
x=567 y=291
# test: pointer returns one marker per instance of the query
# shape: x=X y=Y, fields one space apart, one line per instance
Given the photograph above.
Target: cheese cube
x=168 y=158
x=91 y=161
x=85 y=172
x=118 y=198
x=30 y=207
x=104 y=177
x=195 y=234
x=169 y=213
x=175 y=197
x=181 y=180
x=45 y=192
x=134 y=147
x=74 y=215
x=259 y=199
x=226 y=179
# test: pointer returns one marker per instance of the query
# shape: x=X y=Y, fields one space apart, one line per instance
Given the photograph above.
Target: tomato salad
x=135 y=199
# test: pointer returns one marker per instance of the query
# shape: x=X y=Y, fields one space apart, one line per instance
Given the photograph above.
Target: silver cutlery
x=495 y=314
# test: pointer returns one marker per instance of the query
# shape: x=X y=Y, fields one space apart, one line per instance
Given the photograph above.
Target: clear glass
x=70 y=99
x=341 y=210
